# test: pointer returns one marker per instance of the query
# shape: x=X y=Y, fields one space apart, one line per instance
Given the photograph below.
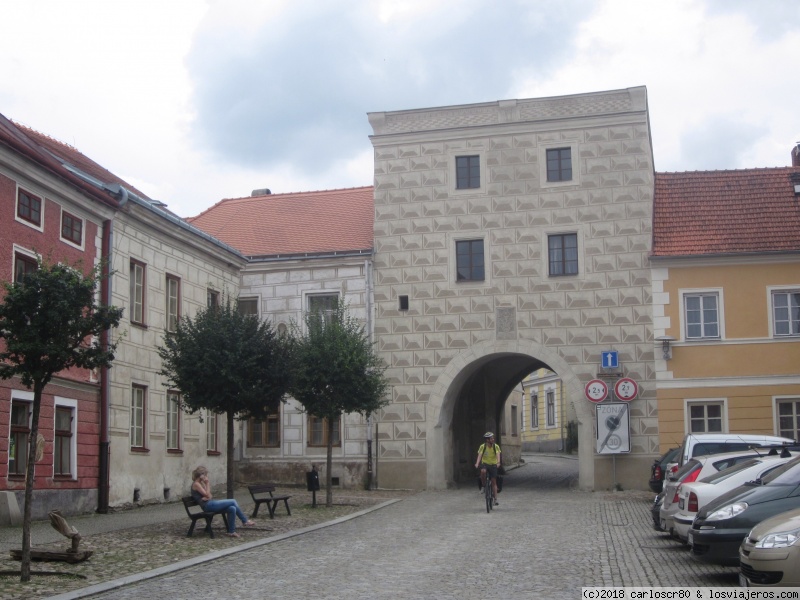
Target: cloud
x=294 y=86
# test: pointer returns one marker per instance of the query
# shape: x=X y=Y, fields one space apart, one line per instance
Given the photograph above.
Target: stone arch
x=445 y=394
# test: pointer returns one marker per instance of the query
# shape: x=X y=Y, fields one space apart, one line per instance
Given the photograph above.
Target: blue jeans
x=232 y=510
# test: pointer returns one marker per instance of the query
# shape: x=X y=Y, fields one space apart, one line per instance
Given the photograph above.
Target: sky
x=193 y=101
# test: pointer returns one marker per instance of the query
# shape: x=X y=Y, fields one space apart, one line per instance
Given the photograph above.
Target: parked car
x=770 y=554
x=696 y=468
x=693 y=496
x=701 y=444
x=721 y=525
x=659 y=468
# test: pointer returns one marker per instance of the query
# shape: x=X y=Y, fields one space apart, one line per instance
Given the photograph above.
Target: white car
x=697 y=468
x=693 y=496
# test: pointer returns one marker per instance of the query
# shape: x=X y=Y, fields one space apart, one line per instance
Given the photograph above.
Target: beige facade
x=741 y=378
x=151 y=459
x=460 y=347
x=545 y=414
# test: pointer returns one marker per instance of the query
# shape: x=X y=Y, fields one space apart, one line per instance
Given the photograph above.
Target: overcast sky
x=193 y=101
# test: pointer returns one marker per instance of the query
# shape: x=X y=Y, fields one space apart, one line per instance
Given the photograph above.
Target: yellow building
x=544 y=428
x=726 y=301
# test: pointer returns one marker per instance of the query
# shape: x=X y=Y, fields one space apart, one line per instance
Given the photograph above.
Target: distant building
x=546 y=413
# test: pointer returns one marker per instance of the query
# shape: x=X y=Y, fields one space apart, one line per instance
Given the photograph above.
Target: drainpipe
x=103 y=475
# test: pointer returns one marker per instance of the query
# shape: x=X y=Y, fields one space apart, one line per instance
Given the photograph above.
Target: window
x=211 y=433
x=534 y=410
x=559 y=164
x=63 y=441
x=514 y=417
x=702 y=315
x=173 y=302
x=19 y=437
x=23 y=265
x=789 y=418
x=469 y=260
x=563 y=254
x=323 y=304
x=137 y=282
x=468 y=172
x=318 y=431
x=403 y=302
x=29 y=207
x=138 y=400
x=705 y=417
x=551 y=407
x=173 y=421
x=786 y=312
x=71 y=228
x=212 y=298
x=248 y=306
x=264 y=433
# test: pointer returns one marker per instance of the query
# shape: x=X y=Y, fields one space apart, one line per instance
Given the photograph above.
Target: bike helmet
x=488 y=435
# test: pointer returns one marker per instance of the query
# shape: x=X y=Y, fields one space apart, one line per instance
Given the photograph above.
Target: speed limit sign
x=596 y=390
x=626 y=389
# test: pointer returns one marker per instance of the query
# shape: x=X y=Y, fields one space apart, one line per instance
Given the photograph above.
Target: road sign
x=613 y=428
x=626 y=389
x=596 y=390
x=609 y=359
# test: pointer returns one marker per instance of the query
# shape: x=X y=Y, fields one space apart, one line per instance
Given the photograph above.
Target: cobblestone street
x=545 y=540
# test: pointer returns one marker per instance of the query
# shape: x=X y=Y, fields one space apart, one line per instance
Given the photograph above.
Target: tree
x=226 y=362
x=336 y=371
x=49 y=322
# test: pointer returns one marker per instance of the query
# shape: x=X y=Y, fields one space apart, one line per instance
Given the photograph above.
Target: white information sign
x=613 y=428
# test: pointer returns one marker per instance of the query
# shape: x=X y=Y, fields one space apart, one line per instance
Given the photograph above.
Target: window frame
x=794 y=401
x=174 y=437
x=470 y=163
x=21 y=400
x=683 y=295
x=172 y=316
x=212 y=434
x=327 y=313
x=141 y=426
x=240 y=302
x=81 y=229
x=138 y=293
x=559 y=172
x=788 y=291
x=551 y=417
x=705 y=402
x=514 y=420
x=271 y=424
x=311 y=424
x=28 y=259
x=212 y=298
x=27 y=220
x=534 y=399
x=474 y=277
x=72 y=406
x=564 y=262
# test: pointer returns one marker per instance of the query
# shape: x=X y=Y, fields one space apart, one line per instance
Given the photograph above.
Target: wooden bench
x=263 y=493
x=195 y=512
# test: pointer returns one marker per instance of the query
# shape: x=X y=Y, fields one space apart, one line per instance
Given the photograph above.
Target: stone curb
x=123 y=581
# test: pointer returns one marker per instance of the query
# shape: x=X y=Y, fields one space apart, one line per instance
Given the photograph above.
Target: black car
x=721 y=525
x=658 y=470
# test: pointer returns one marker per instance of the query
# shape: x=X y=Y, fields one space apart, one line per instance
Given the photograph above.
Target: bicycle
x=487 y=490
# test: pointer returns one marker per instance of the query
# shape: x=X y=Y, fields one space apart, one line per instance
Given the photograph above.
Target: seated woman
x=201 y=492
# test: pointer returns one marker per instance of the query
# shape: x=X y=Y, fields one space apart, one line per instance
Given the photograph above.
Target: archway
x=480 y=378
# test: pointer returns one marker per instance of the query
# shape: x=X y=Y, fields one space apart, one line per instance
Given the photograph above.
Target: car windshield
x=724 y=474
x=787 y=474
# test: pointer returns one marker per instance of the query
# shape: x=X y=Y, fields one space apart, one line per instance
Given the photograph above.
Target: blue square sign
x=609 y=359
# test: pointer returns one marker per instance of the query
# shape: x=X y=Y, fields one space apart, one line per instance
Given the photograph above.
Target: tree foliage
x=227 y=363
x=49 y=322
x=336 y=371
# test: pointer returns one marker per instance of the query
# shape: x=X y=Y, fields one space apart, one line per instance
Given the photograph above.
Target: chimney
x=260 y=192
x=796 y=155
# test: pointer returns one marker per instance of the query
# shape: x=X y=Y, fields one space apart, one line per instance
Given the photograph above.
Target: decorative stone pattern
x=419 y=215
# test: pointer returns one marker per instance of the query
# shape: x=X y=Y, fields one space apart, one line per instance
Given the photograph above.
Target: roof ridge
x=742 y=170
x=303 y=193
x=30 y=129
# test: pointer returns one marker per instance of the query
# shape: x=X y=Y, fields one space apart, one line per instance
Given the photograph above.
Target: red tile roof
x=746 y=211
x=298 y=223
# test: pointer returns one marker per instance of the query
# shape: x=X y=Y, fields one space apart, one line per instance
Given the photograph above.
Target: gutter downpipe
x=104 y=474
x=372 y=481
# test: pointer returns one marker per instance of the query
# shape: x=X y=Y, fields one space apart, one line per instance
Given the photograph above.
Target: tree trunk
x=30 y=468
x=229 y=479
x=329 y=466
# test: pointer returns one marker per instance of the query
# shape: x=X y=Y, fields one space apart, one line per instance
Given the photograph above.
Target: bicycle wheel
x=488 y=493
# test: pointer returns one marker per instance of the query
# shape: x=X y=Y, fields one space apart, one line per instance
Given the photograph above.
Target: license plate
x=743 y=581
x=690 y=538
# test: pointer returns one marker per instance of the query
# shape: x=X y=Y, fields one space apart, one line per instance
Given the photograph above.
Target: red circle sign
x=596 y=390
x=626 y=389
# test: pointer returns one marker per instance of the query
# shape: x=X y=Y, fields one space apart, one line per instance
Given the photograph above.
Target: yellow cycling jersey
x=490 y=454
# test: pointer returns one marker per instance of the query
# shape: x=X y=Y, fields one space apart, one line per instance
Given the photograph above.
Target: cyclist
x=489 y=459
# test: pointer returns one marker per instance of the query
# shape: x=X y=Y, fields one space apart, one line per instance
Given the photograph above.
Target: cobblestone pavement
x=545 y=540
